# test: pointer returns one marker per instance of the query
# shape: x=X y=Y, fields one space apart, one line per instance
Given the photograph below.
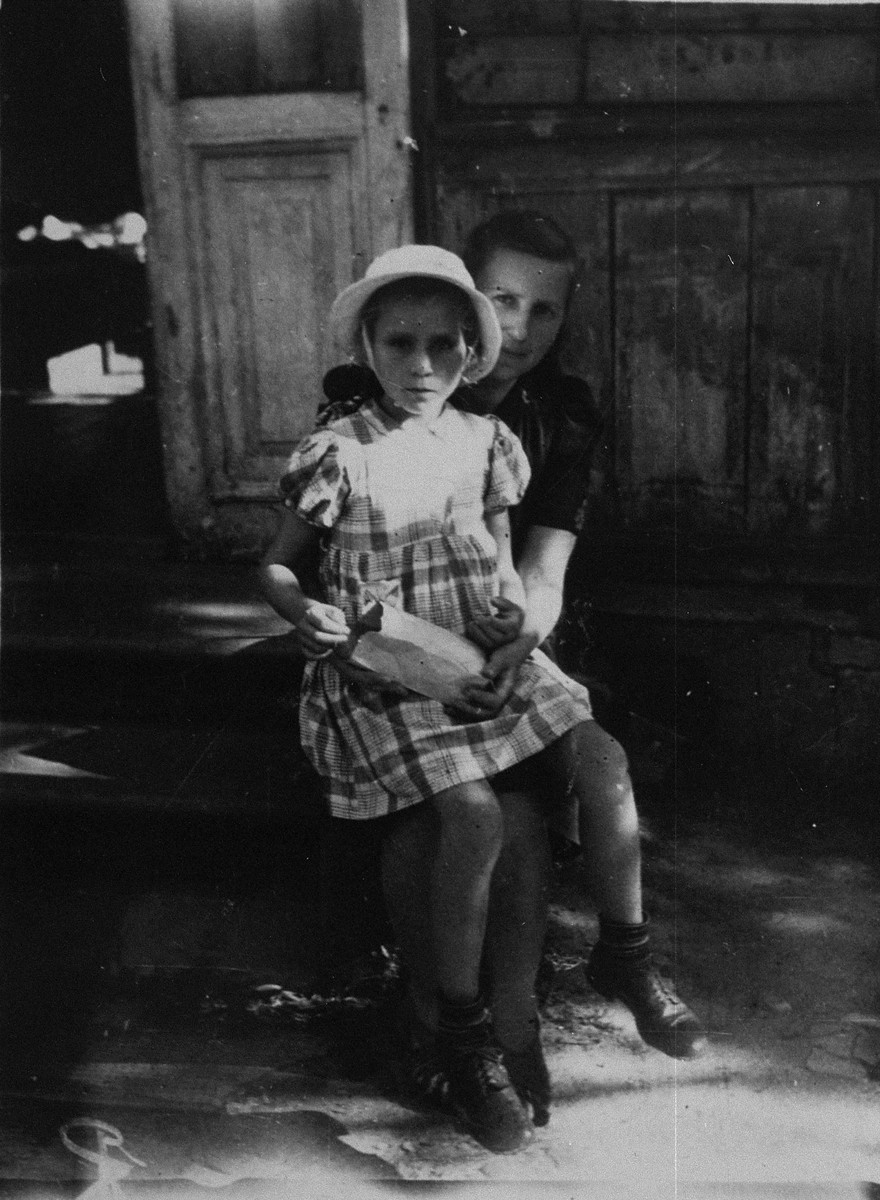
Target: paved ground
x=777 y=950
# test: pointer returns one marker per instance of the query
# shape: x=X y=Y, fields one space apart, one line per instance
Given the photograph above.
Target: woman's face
x=418 y=353
x=530 y=297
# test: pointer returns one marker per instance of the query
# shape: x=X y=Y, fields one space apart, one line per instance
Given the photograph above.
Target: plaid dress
x=403 y=506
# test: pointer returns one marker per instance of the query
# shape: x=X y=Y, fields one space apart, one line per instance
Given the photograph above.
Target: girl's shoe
x=483 y=1098
x=531 y=1079
x=478 y=1088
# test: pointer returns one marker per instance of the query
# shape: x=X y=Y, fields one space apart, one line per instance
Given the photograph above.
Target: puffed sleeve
x=315 y=482
x=509 y=470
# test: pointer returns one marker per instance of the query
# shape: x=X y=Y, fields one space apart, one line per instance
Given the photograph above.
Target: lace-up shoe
x=478 y=1089
x=483 y=1098
x=663 y=1020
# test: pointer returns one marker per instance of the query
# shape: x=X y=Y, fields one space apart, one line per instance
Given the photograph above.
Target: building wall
x=719 y=168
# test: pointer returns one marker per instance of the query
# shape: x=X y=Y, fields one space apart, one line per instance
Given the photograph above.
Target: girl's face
x=530 y=296
x=418 y=353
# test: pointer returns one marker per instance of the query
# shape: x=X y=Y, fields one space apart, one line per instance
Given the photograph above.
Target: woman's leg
x=514 y=944
x=517 y=919
x=590 y=763
x=409 y=851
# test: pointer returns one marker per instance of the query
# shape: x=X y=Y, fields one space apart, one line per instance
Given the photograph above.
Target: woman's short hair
x=523 y=231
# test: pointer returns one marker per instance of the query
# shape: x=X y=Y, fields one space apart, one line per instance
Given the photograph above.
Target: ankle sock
x=624 y=941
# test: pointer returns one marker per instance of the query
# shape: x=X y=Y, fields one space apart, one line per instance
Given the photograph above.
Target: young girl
x=408 y=497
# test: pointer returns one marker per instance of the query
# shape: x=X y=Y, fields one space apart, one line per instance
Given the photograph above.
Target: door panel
x=277 y=242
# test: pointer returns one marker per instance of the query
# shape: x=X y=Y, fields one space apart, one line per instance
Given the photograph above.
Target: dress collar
x=382 y=420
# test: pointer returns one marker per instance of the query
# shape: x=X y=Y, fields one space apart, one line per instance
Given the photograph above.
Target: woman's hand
x=483 y=696
x=498 y=627
x=320 y=629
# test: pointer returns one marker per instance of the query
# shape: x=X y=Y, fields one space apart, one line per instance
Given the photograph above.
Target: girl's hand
x=320 y=629
x=499 y=627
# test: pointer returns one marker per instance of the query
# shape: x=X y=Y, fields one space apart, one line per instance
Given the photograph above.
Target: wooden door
x=273 y=139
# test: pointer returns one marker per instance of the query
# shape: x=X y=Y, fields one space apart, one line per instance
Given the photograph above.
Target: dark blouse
x=553 y=415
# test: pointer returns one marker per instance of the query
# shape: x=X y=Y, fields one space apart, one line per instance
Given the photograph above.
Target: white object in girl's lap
x=422 y=657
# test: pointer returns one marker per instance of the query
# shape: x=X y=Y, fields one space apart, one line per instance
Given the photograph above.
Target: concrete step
x=138 y=641
x=255 y=770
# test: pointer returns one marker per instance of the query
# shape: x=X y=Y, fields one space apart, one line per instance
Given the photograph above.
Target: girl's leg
x=589 y=762
x=468 y=848
x=443 y=947
x=517 y=911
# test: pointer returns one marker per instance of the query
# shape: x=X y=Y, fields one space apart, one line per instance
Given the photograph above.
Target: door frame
x=171 y=132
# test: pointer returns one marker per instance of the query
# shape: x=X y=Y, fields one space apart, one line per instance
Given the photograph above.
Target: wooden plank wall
x=719 y=167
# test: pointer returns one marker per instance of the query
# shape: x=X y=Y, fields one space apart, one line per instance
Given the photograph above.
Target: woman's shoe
x=427 y=1076
x=662 y=1017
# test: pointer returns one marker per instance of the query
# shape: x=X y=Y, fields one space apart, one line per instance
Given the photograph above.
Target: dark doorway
x=81 y=450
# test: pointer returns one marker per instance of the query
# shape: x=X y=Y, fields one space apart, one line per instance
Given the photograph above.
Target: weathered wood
x=277 y=245
x=387 y=136
x=812 y=335
x=487 y=17
x=745 y=68
x=261 y=120
x=424 y=105
x=583 y=155
x=514 y=70
x=175 y=326
x=681 y=286
x=460 y=18
x=529 y=54
x=648 y=15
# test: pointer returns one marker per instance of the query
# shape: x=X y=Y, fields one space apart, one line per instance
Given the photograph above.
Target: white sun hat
x=411 y=262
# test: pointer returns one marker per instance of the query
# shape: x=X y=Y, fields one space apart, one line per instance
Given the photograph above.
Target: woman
x=525 y=264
